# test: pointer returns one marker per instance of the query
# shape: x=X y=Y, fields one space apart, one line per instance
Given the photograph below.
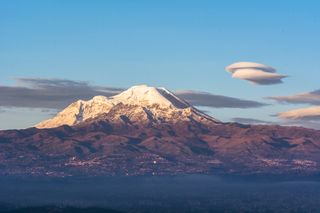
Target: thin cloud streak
x=301 y=98
x=58 y=93
x=308 y=114
x=216 y=101
x=251 y=121
x=49 y=93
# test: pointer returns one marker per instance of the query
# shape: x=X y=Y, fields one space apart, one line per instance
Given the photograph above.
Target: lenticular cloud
x=255 y=73
x=310 y=113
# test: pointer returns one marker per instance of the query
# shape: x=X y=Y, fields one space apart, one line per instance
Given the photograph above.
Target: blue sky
x=181 y=45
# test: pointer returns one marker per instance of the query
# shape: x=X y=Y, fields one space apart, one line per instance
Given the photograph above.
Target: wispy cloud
x=58 y=93
x=305 y=116
x=49 y=93
x=286 y=122
x=301 y=98
x=308 y=113
x=216 y=101
x=303 y=123
x=255 y=73
x=251 y=121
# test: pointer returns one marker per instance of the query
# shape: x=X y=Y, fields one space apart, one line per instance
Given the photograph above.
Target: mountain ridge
x=103 y=147
x=146 y=132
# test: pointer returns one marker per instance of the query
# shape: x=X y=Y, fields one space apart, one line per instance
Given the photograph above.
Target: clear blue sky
x=175 y=44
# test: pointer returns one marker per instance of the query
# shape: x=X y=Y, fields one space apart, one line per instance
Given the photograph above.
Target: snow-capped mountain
x=139 y=103
x=146 y=130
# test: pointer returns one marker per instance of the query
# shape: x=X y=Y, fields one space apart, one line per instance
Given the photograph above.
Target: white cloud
x=255 y=73
x=308 y=116
x=249 y=65
x=309 y=113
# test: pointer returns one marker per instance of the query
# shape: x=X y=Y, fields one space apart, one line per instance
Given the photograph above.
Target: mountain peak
x=145 y=95
x=137 y=102
x=99 y=98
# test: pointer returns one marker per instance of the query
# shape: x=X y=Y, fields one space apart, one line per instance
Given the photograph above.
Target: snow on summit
x=157 y=102
x=146 y=96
